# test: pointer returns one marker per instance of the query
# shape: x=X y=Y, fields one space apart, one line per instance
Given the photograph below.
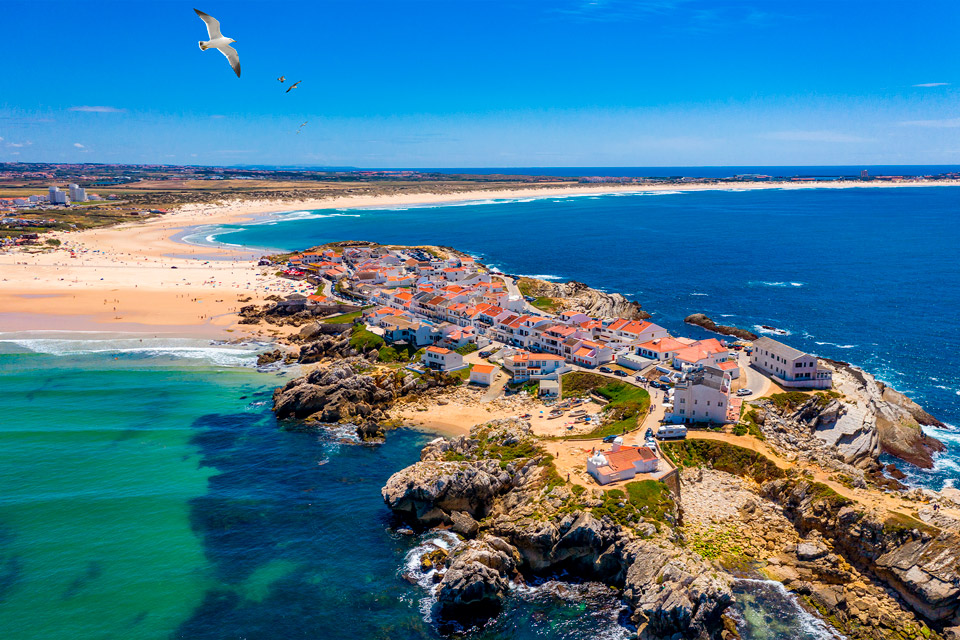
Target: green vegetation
x=646 y=499
x=467 y=348
x=53 y=242
x=626 y=403
x=578 y=384
x=550 y=305
x=748 y=424
x=723 y=457
x=823 y=493
x=363 y=340
x=343 y=318
x=395 y=353
x=900 y=523
x=463 y=374
x=789 y=401
x=714 y=542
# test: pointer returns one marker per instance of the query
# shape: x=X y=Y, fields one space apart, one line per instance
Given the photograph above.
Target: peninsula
x=606 y=449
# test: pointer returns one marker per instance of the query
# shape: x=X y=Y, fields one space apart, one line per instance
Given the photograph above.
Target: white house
x=442 y=359
x=524 y=366
x=789 y=367
x=621 y=463
x=703 y=396
x=483 y=374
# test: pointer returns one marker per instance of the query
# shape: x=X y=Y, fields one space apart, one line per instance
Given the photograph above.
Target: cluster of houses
x=442 y=304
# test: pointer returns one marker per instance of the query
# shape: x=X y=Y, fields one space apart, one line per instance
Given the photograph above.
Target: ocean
x=866 y=275
x=148 y=492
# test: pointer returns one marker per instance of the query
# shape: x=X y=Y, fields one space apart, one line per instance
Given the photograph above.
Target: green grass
x=391 y=353
x=343 y=318
x=363 y=340
x=748 y=424
x=723 y=457
x=463 y=374
x=545 y=304
x=467 y=348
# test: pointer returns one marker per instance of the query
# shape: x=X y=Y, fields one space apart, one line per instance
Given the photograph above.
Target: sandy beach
x=139 y=277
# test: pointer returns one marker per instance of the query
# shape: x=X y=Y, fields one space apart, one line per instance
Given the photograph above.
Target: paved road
x=514 y=290
x=755 y=380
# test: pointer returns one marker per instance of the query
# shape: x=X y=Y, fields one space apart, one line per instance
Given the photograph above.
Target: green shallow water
x=149 y=496
x=97 y=470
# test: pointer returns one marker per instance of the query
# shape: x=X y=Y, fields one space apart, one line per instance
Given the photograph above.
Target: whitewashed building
x=789 y=367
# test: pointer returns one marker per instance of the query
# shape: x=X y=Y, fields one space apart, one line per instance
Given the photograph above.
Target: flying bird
x=293 y=86
x=217 y=41
x=282 y=78
x=302 y=126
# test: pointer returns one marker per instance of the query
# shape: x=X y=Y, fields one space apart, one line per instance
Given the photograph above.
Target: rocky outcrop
x=860 y=420
x=521 y=521
x=703 y=321
x=576 y=296
x=324 y=347
x=346 y=392
x=920 y=562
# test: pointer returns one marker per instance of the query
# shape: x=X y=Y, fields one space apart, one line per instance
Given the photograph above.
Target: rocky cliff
x=859 y=420
x=499 y=489
x=920 y=562
x=576 y=296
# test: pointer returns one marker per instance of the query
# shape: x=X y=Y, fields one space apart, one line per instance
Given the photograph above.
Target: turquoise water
x=147 y=492
x=867 y=275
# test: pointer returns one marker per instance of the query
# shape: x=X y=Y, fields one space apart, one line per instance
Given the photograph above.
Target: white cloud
x=813 y=136
x=97 y=109
x=932 y=84
x=1 y=138
x=78 y=145
x=17 y=145
x=947 y=123
x=217 y=116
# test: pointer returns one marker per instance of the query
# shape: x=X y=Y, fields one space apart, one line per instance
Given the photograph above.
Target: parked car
x=745 y=392
x=618 y=372
x=606 y=370
x=648 y=434
x=486 y=354
x=609 y=439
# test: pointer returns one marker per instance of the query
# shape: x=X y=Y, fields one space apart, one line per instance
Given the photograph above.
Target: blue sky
x=461 y=83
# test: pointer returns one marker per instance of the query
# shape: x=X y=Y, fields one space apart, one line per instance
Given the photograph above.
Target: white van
x=671 y=431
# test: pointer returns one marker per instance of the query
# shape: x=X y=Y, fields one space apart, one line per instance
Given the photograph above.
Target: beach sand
x=123 y=277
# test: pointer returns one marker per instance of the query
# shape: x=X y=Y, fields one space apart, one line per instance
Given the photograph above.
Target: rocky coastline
x=805 y=502
x=674 y=557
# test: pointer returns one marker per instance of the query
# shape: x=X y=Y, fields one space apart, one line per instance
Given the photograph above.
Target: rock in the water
x=703 y=321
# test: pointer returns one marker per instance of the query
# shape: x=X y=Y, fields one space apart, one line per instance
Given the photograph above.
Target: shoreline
x=121 y=277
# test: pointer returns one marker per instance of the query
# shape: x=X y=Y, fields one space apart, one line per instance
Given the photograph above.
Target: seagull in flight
x=302 y=126
x=217 y=41
x=282 y=78
x=293 y=86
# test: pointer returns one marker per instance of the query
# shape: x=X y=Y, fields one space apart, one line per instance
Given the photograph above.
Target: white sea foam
x=543 y=276
x=772 y=332
x=700 y=294
x=768 y=283
x=553 y=197
x=221 y=355
x=431 y=541
x=838 y=346
x=809 y=625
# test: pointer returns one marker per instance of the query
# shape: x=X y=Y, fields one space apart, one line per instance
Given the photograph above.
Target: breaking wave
x=244 y=355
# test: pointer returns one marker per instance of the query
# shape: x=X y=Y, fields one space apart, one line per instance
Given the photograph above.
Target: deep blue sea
x=146 y=490
x=866 y=275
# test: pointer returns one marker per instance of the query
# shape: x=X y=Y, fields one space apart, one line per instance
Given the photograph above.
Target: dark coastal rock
x=269 y=357
x=703 y=321
x=920 y=562
x=477 y=578
x=513 y=512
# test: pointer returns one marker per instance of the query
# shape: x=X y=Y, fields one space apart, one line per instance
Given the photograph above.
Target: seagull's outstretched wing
x=293 y=86
x=232 y=56
x=213 y=26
